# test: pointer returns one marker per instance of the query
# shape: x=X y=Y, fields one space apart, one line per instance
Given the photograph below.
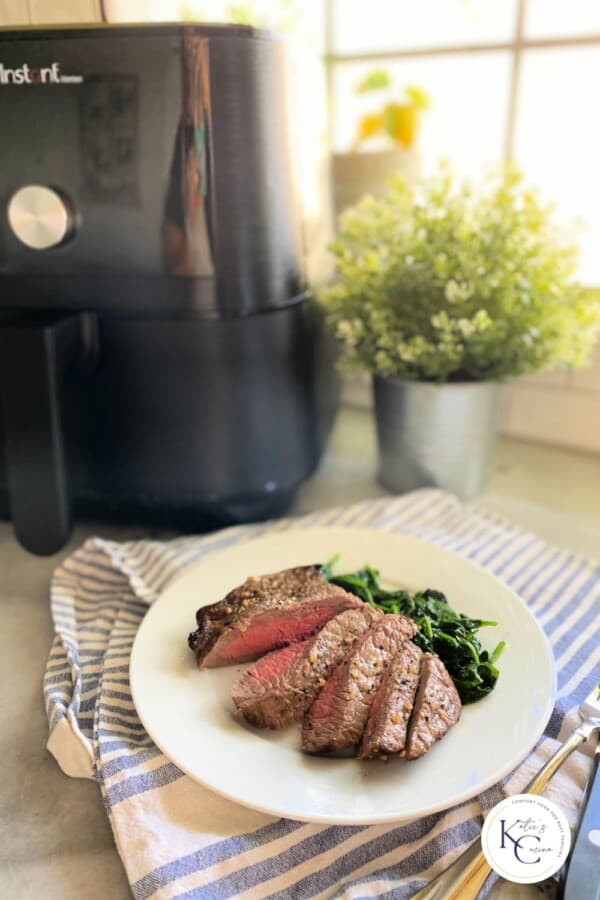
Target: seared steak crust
x=437 y=707
x=385 y=731
x=337 y=718
x=281 y=686
x=265 y=613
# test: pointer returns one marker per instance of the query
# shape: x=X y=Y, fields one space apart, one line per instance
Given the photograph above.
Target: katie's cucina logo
x=31 y=75
x=525 y=838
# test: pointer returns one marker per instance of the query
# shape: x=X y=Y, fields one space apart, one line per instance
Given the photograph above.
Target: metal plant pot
x=440 y=435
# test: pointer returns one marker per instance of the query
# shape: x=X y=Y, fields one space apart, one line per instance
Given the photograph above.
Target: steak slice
x=437 y=707
x=265 y=613
x=337 y=718
x=281 y=686
x=265 y=679
x=385 y=731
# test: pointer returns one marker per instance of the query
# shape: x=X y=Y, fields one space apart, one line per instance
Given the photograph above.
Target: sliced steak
x=281 y=686
x=437 y=707
x=385 y=731
x=265 y=613
x=337 y=718
x=265 y=679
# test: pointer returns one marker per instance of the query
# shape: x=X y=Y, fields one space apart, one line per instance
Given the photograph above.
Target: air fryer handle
x=35 y=354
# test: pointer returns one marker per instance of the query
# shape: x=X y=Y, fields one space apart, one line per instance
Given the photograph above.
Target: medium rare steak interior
x=266 y=613
x=337 y=718
x=281 y=686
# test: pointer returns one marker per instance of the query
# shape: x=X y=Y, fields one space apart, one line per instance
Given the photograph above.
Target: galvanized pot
x=440 y=435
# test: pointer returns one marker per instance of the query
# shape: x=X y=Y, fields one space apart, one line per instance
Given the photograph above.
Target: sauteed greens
x=452 y=635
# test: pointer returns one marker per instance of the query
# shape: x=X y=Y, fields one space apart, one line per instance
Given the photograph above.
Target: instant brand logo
x=27 y=74
x=525 y=838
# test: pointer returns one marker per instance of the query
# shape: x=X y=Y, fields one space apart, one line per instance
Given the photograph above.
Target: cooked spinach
x=452 y=635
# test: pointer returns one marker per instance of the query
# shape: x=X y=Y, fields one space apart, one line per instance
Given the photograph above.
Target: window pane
x=558 y=140
x=363 y=25
x=561 y=18
x=467 y=119
x=296 y=18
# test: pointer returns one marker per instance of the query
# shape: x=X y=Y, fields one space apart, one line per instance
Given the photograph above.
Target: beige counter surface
x=55 y=841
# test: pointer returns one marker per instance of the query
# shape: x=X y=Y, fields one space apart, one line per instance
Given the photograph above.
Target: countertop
x=55 y=839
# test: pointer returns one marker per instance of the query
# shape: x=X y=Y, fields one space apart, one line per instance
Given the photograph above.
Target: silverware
x=466 y=876
x=583 y=873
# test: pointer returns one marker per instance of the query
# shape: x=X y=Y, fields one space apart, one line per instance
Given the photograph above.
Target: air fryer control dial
x=40 y=217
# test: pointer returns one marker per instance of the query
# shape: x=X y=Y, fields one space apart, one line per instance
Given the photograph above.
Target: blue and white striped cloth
x=175 y=837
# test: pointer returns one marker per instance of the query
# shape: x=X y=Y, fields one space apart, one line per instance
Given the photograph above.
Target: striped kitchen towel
x=175 y=837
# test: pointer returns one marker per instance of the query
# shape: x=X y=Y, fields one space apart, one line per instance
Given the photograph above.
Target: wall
x=48 y=12
x=558 y=408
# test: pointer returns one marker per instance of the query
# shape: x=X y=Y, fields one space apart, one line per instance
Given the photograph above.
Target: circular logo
x=525 y=838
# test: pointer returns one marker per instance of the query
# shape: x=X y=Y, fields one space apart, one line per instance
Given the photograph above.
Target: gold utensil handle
x=472 y=879
x=462 y=880
x=539 y=781
x=466 y=876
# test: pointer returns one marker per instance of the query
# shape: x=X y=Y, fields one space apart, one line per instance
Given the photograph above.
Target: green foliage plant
x=444 y=281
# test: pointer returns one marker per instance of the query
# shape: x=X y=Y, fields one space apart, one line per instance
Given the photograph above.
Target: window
x=507 y=79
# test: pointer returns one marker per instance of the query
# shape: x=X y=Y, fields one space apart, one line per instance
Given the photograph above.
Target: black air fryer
x=159 y=359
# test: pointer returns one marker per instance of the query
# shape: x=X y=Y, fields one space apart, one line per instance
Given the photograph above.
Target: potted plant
x=443 y=292
x=384 y=142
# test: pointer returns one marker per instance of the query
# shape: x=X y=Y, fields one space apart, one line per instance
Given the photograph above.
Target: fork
x=465 y=877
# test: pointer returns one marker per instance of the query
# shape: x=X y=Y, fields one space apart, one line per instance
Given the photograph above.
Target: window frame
x=516 y=47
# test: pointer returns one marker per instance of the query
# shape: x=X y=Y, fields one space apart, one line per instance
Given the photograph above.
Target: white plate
x=189 y=714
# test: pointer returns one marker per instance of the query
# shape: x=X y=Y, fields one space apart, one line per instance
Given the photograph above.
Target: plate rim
x=326 y=819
